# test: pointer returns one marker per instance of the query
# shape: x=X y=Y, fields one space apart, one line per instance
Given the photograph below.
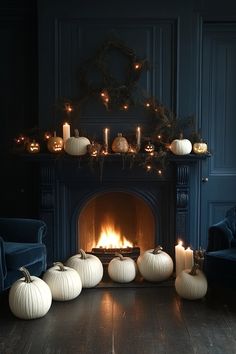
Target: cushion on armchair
x=23 y=254
x=21 y=244
x=220 y=258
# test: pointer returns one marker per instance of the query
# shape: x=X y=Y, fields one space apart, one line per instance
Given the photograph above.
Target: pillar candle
x=179 y=258
x=138 y=136
x=66 y=131
x=188 y=258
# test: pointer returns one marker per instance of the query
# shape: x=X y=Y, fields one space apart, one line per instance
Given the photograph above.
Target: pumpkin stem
x=120 y=256
x=194 y=269
x=26 y=274
x=76 y=133
x=83 y=254
x=157 y=250
x=181 y=135
x=60 y=265
x=55 y=134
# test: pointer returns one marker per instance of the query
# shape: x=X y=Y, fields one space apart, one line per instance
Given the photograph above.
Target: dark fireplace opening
x=116 y=221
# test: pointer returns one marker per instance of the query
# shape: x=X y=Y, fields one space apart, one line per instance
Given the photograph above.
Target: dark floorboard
x=149 y=320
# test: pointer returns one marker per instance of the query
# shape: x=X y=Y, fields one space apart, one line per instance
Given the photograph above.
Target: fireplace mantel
x=66 y=181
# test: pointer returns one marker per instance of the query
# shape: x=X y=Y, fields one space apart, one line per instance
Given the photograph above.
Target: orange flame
x=111 y=237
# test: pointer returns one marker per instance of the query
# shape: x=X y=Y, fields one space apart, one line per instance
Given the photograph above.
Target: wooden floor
x=148 y=320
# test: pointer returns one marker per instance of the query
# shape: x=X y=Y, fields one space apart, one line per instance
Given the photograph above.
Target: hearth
x=151 y=209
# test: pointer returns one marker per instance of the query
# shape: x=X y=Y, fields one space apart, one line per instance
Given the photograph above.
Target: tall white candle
x=179 y=258
x=106 y=132
x=66 y=131
x=188 y=258
x=138 y=136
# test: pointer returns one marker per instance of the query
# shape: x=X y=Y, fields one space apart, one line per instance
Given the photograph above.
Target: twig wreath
x=115 y=93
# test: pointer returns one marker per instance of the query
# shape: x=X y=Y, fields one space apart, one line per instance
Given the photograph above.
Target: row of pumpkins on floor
x=31 y=297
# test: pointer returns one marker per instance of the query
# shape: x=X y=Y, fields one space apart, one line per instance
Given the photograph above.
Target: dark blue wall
x=191 y=45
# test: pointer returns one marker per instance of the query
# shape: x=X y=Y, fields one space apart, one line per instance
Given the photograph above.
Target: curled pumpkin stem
x=120 y=256
x=60 y=265
x=26 y=274
x=83 y=254
x=194 y=269
x=157 y=250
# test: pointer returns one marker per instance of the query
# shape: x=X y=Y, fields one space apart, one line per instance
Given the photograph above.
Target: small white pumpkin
x=191 y=284
x=122 y=269
x=155 y=265
x=77 y=145
x=64 y=282
x=29 y=297
x=88 y=266
x=181 y=146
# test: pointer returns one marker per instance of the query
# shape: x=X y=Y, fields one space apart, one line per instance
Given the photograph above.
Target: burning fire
x=110 y=237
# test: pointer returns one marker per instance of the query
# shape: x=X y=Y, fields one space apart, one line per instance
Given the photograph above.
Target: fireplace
x=146 y=209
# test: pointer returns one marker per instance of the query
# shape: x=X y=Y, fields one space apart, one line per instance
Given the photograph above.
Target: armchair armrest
x=219 y=236
x=22 y=230
x=3 y=270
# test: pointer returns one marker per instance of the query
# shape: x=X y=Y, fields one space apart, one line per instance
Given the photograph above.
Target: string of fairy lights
x=152 y=151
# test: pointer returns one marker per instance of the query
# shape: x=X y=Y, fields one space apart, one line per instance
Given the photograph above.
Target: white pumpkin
x=29 y=297
x=77 y=145
x=64 y=282
x=155 y=265
x=181 y=146
x=191 y=284
x=88 y=266
x=122 y=269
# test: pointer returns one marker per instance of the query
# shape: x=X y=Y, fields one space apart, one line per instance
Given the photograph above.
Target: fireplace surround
x=68 y=185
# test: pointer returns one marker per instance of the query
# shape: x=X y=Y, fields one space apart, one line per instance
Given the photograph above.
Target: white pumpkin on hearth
x=29 y=297
x=155 y=265
x=191 y=284
x=64 y=282
x=122 y=269
x=181 y=146
x=88 y=266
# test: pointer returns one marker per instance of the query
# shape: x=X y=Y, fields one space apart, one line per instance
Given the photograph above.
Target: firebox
x=116 y=222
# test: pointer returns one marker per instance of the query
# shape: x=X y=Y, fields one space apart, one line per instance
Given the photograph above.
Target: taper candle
x=179 y=258
x=138 y=136
x=106 y=132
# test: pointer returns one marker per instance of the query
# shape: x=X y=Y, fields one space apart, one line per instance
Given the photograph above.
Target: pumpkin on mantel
x=155 y=265
x=122 y=269
x=181 y=146
x=64 y=282
x=200 y=147
x=88 y=266
x=55 y=143
x=191 y=284
x=33 y=147
x=77 y=145
x=29 y=297
x=120 y=144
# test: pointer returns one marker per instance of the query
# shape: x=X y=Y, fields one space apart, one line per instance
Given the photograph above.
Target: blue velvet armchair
x=21 y=244
x=220 y=257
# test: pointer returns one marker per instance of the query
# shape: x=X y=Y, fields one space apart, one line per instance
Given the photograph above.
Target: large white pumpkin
x=181 y=146
x=191 y=284
x=155 y=265
x=88 y=266
x=77 y=145
x=29 y=297
x=122 y=269
x=64 y=282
